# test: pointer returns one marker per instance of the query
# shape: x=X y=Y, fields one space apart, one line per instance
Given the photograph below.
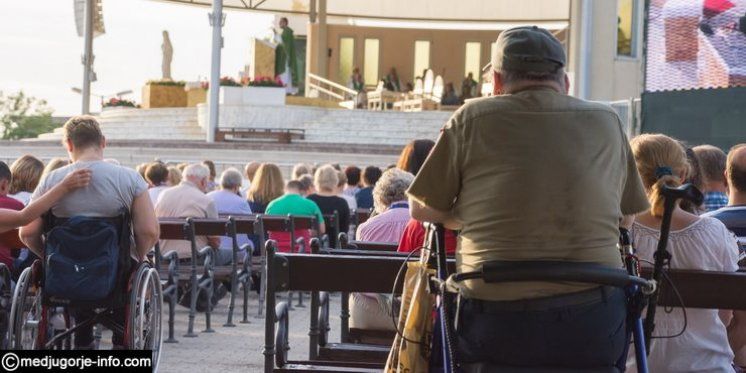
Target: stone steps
x=322 y=125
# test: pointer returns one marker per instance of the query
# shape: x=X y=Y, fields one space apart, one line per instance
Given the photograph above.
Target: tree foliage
x=23 y=116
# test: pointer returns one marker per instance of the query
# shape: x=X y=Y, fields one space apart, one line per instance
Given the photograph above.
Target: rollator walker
x=74 y=267
x=640 y=292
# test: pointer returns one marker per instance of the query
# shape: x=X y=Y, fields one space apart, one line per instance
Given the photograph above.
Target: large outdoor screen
x=694 y=44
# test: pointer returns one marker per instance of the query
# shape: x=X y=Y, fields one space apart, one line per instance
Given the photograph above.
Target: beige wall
x=447 y=49
x=612 y=77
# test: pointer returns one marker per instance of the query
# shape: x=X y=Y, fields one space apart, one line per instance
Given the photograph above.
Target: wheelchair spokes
x=145 y=313
x=25 y=314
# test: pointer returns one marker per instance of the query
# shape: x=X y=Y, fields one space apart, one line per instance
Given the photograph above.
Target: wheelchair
x=40 y=320
x=6 y=296
x=640 y=292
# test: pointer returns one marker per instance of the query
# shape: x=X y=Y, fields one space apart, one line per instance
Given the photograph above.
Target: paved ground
x=237 y=349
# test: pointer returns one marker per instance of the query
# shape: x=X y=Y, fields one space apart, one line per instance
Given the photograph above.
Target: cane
x=437 y=260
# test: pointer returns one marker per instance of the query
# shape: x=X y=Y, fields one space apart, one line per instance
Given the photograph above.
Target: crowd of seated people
x=713 y=339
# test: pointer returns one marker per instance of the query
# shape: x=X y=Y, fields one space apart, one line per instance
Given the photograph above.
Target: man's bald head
x=735 y=169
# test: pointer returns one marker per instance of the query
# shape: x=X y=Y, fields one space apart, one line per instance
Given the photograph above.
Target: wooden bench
x=282 y=135
x=361 y=248
x=698 y=289
x=345 y=243
x=170 y=230
x=188 y=230
x=297 y=272
x=281 y=223
x=238 y=277
x=331 y=222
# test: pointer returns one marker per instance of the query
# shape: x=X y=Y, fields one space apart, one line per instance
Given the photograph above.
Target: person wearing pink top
x=392 y=209
x=370 y=310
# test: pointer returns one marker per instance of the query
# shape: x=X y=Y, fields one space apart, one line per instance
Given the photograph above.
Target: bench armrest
x=323 y=318
x=282 y=334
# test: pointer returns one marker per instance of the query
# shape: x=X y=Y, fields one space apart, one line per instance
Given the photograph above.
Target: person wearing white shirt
x=696 y=243
x=156 y=174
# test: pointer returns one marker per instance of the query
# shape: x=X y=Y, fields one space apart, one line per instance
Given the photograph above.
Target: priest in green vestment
x=286 y=64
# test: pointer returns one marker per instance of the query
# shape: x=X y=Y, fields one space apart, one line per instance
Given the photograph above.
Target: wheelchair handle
x=502 y=271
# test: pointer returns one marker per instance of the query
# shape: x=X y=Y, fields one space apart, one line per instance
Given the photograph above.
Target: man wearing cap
x=532 y=174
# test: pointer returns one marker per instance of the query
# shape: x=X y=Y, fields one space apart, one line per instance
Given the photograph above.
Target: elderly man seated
x=188 y=200
x=228 y=201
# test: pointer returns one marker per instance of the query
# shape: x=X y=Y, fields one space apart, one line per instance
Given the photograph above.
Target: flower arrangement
x=265 y=81
x=227 y=81
x=118 y=102
x=172 y=83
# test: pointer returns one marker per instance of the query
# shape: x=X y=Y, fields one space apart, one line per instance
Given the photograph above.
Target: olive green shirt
x=536 y=175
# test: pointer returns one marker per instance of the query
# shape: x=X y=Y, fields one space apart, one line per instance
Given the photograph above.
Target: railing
x=328 y=89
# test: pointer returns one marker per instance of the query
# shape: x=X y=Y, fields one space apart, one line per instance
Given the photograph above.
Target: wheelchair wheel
x=6 y=299
x=25 y=314
x=145 y=307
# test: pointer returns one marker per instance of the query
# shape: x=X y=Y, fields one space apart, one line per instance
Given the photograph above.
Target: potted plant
x=115 y=102
x=230 y=91
x=264 y=91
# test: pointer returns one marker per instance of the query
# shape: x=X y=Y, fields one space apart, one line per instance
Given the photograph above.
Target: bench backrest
x=246 y=225
x=275 y=223
x=297 y=272
x=375 y=246
x=211 y=227
x=174 y=229
x=303 y=222
x=361 y=216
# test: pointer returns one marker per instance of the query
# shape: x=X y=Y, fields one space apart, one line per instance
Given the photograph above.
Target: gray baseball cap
x=528 y=48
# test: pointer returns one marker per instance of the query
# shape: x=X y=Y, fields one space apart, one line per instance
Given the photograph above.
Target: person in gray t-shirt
x=112 y=188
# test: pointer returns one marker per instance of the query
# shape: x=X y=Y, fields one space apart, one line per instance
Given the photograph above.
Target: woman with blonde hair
x=698 y=243
x=267 y=185
x=174 y=176
x=26 y=173
x=325 y=179
x=54 y=164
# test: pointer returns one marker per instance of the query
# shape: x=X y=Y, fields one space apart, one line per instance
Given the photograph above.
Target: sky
x=40 y=51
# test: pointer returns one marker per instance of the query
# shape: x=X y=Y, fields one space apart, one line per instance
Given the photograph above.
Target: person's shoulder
x=710 y=222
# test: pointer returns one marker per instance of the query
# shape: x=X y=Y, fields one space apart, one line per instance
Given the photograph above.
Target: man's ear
x=102 y=144
x=567 y=84
x=69 y=145
x=497 y=83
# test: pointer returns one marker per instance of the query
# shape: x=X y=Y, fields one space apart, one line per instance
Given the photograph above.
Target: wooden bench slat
x=367 y=353
x=321 y=366
x=376 y=246
x=210 y=227
x=173 y=230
